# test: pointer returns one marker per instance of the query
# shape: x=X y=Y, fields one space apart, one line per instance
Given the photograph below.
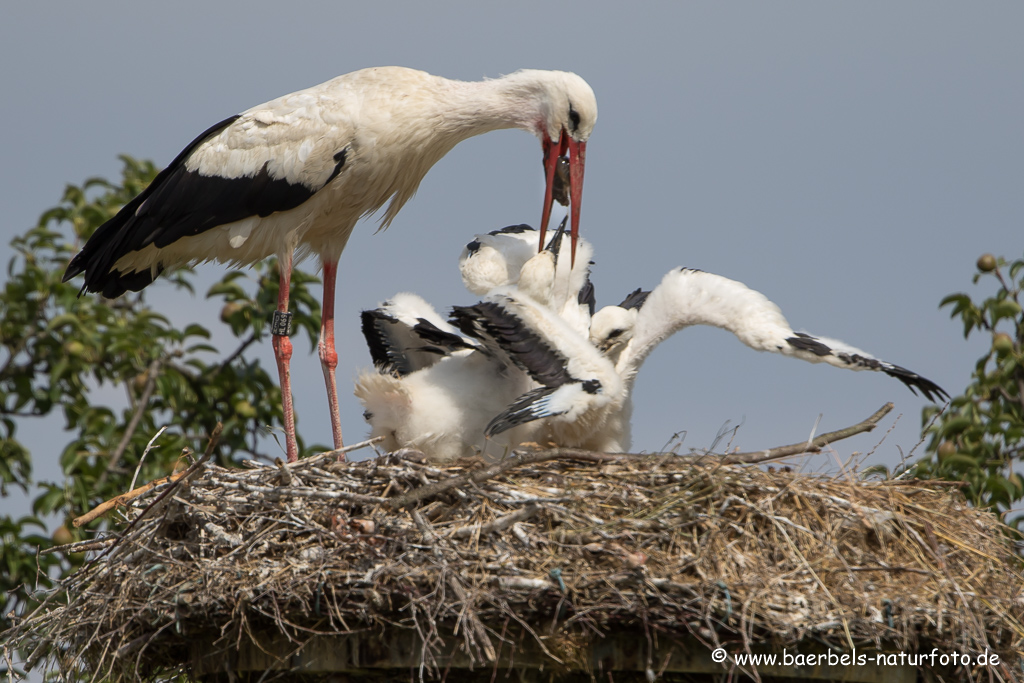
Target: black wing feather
x=529 y=407
x=635 y=299
x=913 y=381
x=512 y=229
x=180 y=203
x=494 y=325
x=586 y=295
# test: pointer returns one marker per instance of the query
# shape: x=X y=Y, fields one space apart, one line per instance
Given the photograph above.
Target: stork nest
x=562 y=547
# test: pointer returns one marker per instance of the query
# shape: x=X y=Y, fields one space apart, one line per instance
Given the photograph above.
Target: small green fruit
x=986 y=263
x=63 y=536
x=74 y=348
x=245 y=410
x=229 y=310
x=946 y=449
x=1002 y=343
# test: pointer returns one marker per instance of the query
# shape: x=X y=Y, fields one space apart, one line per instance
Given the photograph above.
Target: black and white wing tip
x=387 y=354
x=533 y=405
x=932 y=391
x=540 y=403
x=400 y=347
x=445 y=340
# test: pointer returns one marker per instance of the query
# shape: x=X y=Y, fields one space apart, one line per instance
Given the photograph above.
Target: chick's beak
x=552 y=152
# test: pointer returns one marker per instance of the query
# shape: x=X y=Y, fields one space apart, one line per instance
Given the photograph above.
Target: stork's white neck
x=518 y=100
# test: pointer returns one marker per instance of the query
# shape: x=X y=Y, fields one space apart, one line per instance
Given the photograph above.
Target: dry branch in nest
x=545 y=552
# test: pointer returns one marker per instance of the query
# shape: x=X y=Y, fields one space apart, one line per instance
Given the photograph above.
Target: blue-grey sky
x=849 y=160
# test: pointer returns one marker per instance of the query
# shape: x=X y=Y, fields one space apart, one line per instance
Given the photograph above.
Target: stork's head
x=611 y=328
x=566 y=114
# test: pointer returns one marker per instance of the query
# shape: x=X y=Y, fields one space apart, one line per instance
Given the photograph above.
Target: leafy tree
x=58 y=350
x=981 y=435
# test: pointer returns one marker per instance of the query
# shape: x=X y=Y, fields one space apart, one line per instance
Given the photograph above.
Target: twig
x=147 y=393
x=80 y=546
x=804 y=446
x=345 y=449
x=144 y=454
x=117 y=501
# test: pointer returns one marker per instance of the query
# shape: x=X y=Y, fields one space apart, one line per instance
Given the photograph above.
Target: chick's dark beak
x=552 y=153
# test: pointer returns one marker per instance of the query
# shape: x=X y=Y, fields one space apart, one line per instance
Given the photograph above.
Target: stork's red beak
x=577 y=158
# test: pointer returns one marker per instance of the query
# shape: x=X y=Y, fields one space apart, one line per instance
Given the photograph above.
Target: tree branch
x=231 y=359
x=147 y=393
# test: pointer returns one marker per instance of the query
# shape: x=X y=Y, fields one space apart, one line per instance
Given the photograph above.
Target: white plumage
x=301 y=170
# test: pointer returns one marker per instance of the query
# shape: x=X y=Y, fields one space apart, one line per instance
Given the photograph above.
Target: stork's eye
x=574 y=118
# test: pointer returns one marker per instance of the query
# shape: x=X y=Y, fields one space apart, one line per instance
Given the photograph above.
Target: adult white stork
x=301 y=170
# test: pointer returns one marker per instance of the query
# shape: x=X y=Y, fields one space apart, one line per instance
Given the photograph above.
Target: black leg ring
x=281 y=324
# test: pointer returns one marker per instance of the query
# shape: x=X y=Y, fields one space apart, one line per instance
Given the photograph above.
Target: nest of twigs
x=550 y=550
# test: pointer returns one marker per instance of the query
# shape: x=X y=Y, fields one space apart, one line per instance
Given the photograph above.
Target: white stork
x=576 y=386
x=688 y=297
x=301 y=170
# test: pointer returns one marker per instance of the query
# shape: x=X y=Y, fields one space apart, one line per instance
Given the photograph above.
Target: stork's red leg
x=283 y=353
x=328 y=352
